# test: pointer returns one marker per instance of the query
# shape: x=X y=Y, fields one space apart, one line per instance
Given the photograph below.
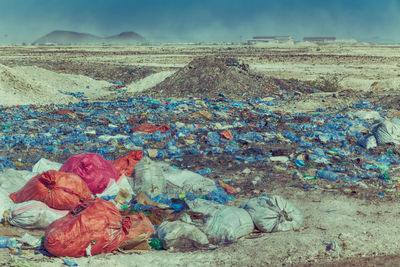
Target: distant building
x=319 y=40
x=270 y=39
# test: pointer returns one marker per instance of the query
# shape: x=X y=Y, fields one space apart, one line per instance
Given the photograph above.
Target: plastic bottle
x=331 y=176
x=3 y=241
x=204 y=171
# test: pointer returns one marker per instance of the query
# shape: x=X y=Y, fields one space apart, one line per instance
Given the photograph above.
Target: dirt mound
x=32 y=85
x=213 y=78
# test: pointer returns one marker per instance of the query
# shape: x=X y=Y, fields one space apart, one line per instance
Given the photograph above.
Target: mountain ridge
x=72 y=37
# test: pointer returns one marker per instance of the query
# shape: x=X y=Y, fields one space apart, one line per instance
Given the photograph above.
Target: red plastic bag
x=149 y=128
x=140 y=225
x=59 y=190
x=126 y=164
x=91 y=228
x=93 y=169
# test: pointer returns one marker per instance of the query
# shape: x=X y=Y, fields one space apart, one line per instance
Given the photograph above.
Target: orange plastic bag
x=149 y=128
x=91 y=228
x=140 y=225
x=226 y=134
x=126 y=165
x=59 y=190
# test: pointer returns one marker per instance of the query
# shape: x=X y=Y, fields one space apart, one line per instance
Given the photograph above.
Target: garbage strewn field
x=219 y=161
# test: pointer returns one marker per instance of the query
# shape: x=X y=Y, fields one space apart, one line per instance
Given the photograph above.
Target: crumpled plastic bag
x=93 y=227
x=44 y=165
x=149 y=178
x=386 y=131
x=273 y=214
x=12 y=180
x=183 y=181
x=5 y=201
x=93 y=169
x=156 y=178
x=223 y=224
x=180 y=235
x=367 y=142
x=126 y=165
x=59 y=190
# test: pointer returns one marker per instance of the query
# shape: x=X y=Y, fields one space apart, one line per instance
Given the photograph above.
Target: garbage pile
x=213 y=77
x=355 y=148
x=89 y=206
x=164 y=171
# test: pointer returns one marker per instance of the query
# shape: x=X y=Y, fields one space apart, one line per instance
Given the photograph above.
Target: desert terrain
x=348 y=223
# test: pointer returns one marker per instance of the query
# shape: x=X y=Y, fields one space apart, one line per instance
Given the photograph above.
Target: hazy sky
x=202 y=20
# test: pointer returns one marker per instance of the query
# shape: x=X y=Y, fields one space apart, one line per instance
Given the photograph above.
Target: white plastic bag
x=33 y=215
x=44 y=165
x=156 y=178
x=273 y=214
x=367 y=142
x=110 y=192
x=180 y=235
x=12 y=180
x=387 y=132
x=124 y=183
x=149 y=178
x=224 y=224
x=5 y=202
x=183 y=181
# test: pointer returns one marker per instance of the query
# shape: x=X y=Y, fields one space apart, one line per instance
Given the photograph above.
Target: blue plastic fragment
x=69 y=262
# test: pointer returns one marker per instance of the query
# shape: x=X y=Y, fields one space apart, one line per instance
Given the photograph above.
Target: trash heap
x=91 y=205
x=141 y=172
x=356 y=147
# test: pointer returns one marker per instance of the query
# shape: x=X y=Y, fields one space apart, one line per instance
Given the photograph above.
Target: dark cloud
x=205 y=20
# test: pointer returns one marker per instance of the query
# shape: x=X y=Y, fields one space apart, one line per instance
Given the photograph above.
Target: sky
x=202 y=20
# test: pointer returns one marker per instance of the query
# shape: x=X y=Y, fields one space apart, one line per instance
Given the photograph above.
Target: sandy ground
x=360 y=229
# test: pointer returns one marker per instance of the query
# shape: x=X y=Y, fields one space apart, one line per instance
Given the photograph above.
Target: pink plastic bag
x=93 y=169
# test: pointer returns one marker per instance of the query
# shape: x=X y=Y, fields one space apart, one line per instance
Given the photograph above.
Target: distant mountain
x=77 y=38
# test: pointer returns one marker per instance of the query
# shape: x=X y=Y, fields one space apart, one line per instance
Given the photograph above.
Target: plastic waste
x=93 y=169
x=111 y=191
x=59 y=190
x=33 y=215
x=204 y=171
x=44 y=165
x=180 y=235
x=32 y=241
x=3 y=241
x=183 y=181
x=5 y=201
x=387 y=132
x=12 y=180
x=156 y=244
x=126 y=164
x=69 y=262
x=91 y=228
x=148 y=128
x=140 y=225
x=156 y=178
x=273 y=214
x=329 y=175
x=149 y=178
x=223 y=224
x=368 y=142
